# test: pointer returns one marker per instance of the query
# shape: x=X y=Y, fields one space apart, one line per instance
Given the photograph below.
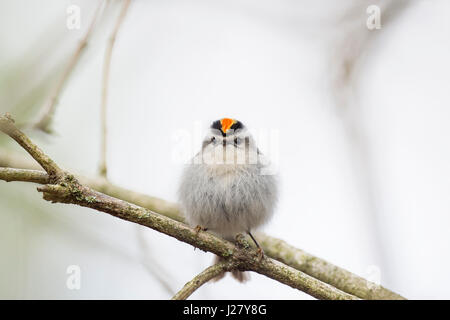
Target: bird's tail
x=241 y=276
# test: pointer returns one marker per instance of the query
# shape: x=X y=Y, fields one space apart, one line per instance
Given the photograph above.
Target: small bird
x=225 y=188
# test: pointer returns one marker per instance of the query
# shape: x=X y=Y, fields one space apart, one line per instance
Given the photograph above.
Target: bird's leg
x=199 y=228
x=260 y=250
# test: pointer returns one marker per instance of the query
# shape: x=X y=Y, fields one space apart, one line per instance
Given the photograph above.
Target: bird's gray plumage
x=224 y=188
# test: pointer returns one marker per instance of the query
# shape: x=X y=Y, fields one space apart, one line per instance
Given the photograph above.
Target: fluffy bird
x=226 y=188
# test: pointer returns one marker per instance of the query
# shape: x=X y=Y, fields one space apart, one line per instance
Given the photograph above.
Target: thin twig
x=346 y=63
x=151 y=264
x=205 y=276
x=46 y=115
x=106 y=69
x=35 y=176
x=66 y=189
x=7 y=126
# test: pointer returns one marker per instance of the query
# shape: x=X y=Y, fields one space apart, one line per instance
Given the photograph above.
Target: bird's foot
x=199 y=228
x=259 y=250
x=260 y=253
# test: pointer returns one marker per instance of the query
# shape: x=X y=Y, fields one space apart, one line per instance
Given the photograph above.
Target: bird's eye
x=213 y=139
x=237 y=141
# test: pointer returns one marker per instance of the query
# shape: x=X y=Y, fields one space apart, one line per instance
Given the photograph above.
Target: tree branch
x=7 y=126
x=106 y=68
x=47 y=112
x=273 y=247
x=65 y=188
x=324 y=270
x=205 y=276
x=35 y=176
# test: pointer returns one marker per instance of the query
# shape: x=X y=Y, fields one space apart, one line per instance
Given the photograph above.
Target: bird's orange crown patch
x=226 y=124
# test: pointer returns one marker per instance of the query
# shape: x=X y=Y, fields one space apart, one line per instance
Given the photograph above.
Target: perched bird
x=225 y=188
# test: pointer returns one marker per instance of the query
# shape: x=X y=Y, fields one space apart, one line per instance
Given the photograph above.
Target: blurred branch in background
x=49 y=90
x=26 y=80
x=352 y=43
x=46 y=114
x=106 y=70
x=65 y=188
x=152 y=265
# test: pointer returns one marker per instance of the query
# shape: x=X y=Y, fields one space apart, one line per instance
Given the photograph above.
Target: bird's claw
x=199 y=228
x=260 y=253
